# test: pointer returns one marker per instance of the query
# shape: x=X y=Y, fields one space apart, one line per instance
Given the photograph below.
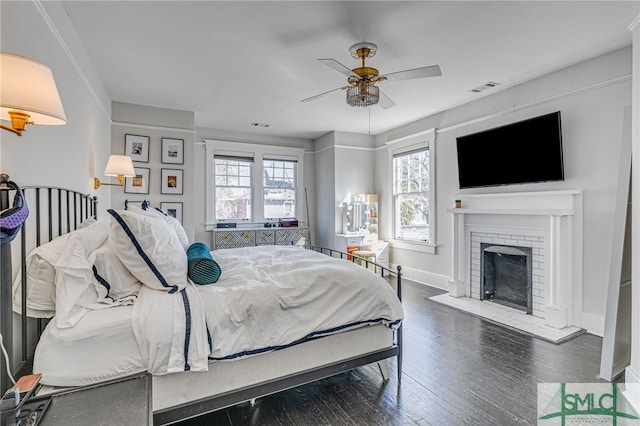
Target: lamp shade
x=119 y=165
x=28 y=86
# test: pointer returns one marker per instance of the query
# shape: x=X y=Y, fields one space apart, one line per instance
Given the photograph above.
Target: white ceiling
x=238 y=62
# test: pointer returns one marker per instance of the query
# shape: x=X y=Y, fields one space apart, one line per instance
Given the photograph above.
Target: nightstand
x=125 y=401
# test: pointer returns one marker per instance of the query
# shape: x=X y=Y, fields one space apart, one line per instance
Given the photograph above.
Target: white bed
x=356 y=319
x=83 y=355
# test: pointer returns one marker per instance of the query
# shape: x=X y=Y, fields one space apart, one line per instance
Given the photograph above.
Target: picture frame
x=172 y=209
x=171 y=181
x=172 y=151
x=139 y=184
x=137 y=147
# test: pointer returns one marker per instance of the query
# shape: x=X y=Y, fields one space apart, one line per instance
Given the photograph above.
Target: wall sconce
x=28 y=94
x=118 y=165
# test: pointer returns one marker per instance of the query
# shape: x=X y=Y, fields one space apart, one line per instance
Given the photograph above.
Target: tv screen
x=523 y=152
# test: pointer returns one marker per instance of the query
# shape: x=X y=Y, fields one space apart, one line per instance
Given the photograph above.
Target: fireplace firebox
x=506 y=273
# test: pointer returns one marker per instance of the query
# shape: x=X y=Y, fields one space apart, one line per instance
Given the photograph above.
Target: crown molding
x=46 y=16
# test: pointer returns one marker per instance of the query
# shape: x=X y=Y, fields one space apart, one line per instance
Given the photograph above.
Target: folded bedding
x=100 y=347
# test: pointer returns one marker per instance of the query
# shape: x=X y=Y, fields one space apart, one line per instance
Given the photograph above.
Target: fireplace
x=546 y=229
x=506 y=273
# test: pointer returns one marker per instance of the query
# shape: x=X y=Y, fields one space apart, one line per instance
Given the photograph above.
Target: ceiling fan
x=362 y=90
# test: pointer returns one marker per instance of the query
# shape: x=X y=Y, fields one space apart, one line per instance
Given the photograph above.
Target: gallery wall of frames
x=170 y=174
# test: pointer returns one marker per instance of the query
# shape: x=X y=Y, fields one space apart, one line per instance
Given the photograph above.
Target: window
x=411 y=195
x=233 y=187
x=251 y=183
x=279 y=185
x=412 y=189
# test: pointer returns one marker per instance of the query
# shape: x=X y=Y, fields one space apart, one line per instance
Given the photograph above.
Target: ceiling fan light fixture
x=363 y=95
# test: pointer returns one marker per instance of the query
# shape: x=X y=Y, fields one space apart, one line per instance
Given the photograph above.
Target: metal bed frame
x=65 y=210
x=208 y=405
x=55 y=211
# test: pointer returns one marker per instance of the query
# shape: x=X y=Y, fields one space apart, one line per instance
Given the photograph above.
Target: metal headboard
x=54 y=211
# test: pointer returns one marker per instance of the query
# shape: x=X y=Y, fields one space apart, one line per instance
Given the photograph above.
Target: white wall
x=66 y=156
x=632 y=373
x=591 y=97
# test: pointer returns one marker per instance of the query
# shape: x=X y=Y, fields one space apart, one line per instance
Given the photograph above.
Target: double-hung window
x=411 y=195
x=280 y=187
x=251 y=183
x=412 y=163
x=233 y=187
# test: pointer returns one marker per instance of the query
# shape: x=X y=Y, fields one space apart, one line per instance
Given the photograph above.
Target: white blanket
x=267 y=297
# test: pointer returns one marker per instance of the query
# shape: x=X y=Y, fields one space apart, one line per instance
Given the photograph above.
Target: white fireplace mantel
x=562 y=233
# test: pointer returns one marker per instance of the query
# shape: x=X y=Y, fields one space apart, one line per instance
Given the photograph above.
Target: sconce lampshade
x=119 y=165
x=27 y=86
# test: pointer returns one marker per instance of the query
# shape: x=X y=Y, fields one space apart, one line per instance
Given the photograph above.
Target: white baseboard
x=424 y=277
x=593 y=323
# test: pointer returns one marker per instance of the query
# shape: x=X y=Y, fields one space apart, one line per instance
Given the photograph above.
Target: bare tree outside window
x=411 y=195
x=233 y=188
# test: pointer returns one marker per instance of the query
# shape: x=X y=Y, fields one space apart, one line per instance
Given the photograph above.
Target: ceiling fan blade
x=313 y=98
x=430 y=71
x=342 y=69
x=385 y=101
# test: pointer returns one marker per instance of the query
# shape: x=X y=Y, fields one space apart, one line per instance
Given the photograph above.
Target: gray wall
x=157 y=123
x=198 y=164
x=325 y=190
x=344 y=164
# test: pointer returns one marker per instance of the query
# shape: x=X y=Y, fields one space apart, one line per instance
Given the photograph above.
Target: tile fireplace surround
x=550 y=223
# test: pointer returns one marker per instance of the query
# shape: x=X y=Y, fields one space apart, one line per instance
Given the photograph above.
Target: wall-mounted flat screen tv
x=523 y=152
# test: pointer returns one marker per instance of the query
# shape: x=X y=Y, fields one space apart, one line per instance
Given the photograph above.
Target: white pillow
x=112 y=280
x=180 y=232
x=75 y=294
x=41 y=272
x=150 y=249
x=172 y=221
x=87 y=222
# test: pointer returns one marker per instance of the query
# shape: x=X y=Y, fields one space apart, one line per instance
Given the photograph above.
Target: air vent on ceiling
x=259 y=125
x=485 y=86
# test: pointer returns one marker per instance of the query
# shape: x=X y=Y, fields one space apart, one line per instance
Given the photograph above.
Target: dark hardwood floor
x=458 y=369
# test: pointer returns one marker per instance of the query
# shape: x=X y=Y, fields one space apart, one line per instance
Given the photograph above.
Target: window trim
x=402 y=146
x=251 y=187
x=281 y=159
x=258 y=152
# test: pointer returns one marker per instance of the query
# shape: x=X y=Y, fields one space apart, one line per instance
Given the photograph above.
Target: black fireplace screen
x=506 y=275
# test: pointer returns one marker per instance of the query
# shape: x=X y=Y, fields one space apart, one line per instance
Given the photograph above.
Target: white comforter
x=266 y=298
